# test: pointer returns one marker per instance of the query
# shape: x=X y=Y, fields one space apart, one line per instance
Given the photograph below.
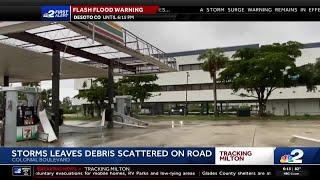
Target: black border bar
x=164 y=2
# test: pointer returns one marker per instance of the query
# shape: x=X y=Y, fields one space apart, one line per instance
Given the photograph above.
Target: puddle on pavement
x=73 y=136
x=224 y=134
x=223 y=124
x=220 y=145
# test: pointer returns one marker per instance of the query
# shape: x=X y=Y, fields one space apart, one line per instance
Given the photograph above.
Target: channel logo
x=294 y=157
x=21 y=171
x=55 y=13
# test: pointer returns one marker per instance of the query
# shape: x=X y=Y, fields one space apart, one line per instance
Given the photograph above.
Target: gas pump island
x=21 y=117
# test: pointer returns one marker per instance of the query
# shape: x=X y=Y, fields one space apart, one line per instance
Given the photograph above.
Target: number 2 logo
x=296 y=156
x=51 y=13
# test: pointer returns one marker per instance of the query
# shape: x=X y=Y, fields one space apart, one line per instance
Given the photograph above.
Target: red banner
x=114 y=10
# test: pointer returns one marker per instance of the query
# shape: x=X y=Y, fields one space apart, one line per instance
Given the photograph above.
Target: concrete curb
x=303 y=141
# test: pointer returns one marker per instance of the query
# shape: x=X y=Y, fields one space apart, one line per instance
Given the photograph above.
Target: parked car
x=179 y=110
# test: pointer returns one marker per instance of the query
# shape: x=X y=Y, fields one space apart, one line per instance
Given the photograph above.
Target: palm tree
x=214 y=59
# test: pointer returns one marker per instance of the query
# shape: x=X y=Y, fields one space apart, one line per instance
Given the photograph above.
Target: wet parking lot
x=188 y=133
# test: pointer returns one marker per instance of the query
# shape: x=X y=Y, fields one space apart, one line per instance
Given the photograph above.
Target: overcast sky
x=183 y=36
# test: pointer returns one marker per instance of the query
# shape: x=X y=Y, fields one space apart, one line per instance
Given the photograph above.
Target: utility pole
x=186 y=103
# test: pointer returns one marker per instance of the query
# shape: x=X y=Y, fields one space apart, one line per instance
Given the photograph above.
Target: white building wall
x=78 y=102
x=305 y=106
x=180 y=78
x=297 y=107
x=228 y=95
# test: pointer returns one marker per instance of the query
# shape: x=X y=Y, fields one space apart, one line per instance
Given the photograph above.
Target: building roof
x=226 y=49
x=311 y=45
x=233 y=48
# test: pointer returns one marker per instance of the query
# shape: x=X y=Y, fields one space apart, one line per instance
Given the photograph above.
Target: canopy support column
x=5 y=81
x=5 y=84
x=110 y=92
x=55 y=90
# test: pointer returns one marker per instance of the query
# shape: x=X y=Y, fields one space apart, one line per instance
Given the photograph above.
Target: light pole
x=186 y=103
x=285 y=73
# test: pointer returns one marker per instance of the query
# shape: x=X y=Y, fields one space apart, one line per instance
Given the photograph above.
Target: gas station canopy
x=23 y=65
x=89 y=44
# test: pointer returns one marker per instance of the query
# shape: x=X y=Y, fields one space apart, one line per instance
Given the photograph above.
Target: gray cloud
x=182 y=36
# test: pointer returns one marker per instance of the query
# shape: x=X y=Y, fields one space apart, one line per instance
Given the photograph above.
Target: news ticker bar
x=157 y=156
x=157 y=13
x=158 y=171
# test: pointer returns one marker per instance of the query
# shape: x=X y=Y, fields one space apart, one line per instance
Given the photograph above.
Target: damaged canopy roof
x=97 y=44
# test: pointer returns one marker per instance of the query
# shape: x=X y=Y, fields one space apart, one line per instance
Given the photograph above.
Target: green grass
x=198 y=117
x=225 y=117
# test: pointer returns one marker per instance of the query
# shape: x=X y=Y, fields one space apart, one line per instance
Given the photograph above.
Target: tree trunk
x=92 y=110
x=140 y=106
x=261 y=108
x=98 y=109
x=215 y=94
x=84 y=109
x=136 y=107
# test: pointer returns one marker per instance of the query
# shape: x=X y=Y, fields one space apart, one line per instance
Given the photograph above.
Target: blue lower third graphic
x=143 y=155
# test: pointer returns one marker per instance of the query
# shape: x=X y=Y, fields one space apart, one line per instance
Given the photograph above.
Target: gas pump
x=123 y=105
x=123 y=111
x=20 y=114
